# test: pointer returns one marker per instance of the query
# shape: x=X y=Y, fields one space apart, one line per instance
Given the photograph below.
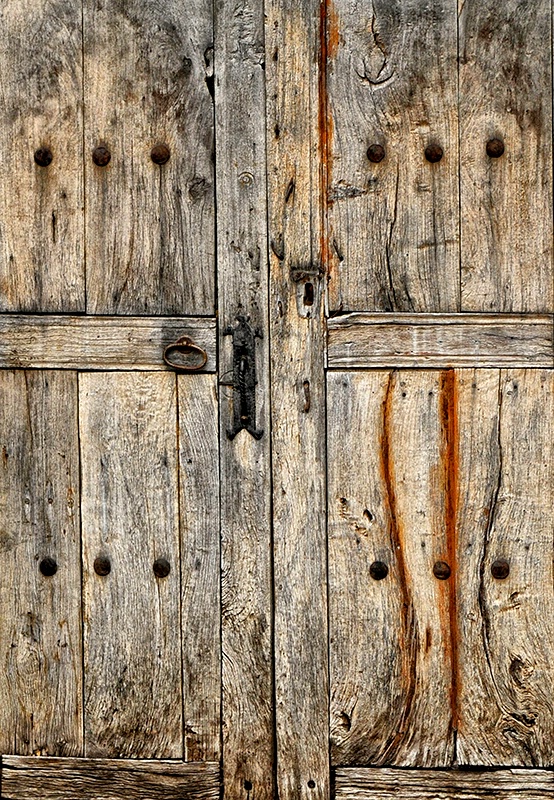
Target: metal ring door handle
x=185 y=346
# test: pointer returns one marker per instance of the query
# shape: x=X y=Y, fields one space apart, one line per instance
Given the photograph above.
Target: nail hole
x=308 y=294
x=368 y=515
x=48 y=567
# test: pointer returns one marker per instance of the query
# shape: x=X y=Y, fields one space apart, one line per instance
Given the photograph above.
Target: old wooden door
x=308 y=553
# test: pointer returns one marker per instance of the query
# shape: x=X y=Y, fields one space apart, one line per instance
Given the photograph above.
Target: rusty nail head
x=376 y=153
x=441 y=570
x=495 y=148
x=378 y=570
x=161 y=568
x=101 y=156
x=102 y=565
x=433 y=153
x=500 y=569
x=160 y=154
x=48 y=567
x=43 y=157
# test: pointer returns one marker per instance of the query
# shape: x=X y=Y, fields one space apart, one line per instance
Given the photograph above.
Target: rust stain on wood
x=409 y=634
x=450 y=460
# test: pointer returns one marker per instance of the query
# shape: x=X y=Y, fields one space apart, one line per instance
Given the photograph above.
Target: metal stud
x=495 y=148
x=378 y=570
x=161 y=567
x=376 y=153
x=43 y=157
x=101 y=156
x=48 y=567
x=433 y=153
x=160 y=154
x=102 y=565
x=441 y=570
x=500 y=569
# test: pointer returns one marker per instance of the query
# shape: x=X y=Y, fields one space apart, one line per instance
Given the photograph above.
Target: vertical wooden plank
x=150 y=227
x=200 y=565
x=392 y=442
x=296 y=151
x=393 y=223
x=247 y=626
x=41 y=207
x=132 y=640
x=506 y=634
x=506 y=201
x=40 y=616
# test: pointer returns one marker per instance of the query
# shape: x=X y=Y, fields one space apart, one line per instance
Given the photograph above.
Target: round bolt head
x=376 y=153
x=161 y=567
x=101 y=156
x=500 y=569
x=378 y=570
x=433 y=153
x=441 y=570
x=43 y=157
x=160 y=154
x=48 y=567
x=495 y=148
x=102 y=565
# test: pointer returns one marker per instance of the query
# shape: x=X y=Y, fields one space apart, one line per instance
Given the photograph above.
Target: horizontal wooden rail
x=363 y=340
x=99 y=343
x=41 y=778
x=425 y=784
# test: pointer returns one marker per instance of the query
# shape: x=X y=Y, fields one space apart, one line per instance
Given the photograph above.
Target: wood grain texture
x=440 y=340
x=506 y=202
x=133 y=699
x=248 y=714
x=40 y=619
x=295 y=151
x=412 y=784
x=105 y=779
x=200 y=565
x=101 y=343
x=393 y=237
x=41 y=208
x=146 y=67
x=391 y=441
x=506 y=631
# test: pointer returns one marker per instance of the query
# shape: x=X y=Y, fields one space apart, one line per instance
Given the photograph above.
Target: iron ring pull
x=185 y=345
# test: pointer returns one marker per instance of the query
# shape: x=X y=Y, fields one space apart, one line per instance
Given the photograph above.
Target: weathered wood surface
x=200 y=565
x=40 y=617
x=41 y=208
x=506 y=649
x=393 y=226
x=412 y=784
x=247 y=624
x=146 y=71
x=105 y=779
x=440 y=340
x=392 y=641
x=99 y=343
x=506 y=202
x=132 y=641
x=298 y=399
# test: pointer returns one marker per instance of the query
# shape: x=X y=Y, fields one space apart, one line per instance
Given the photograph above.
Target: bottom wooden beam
x=31 y=778
x=441 y=784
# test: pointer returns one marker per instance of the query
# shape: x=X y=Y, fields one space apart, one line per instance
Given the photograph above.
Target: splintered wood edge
x=365 y=340
x=427 y=784
x=99 y=342
x=30 y=777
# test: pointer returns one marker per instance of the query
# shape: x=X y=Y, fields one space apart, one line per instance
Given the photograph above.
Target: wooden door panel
x=393 y=235
x=150 y=226
x=506 y=202
x=40 y=614
x=41 y=206
x=455 y=467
